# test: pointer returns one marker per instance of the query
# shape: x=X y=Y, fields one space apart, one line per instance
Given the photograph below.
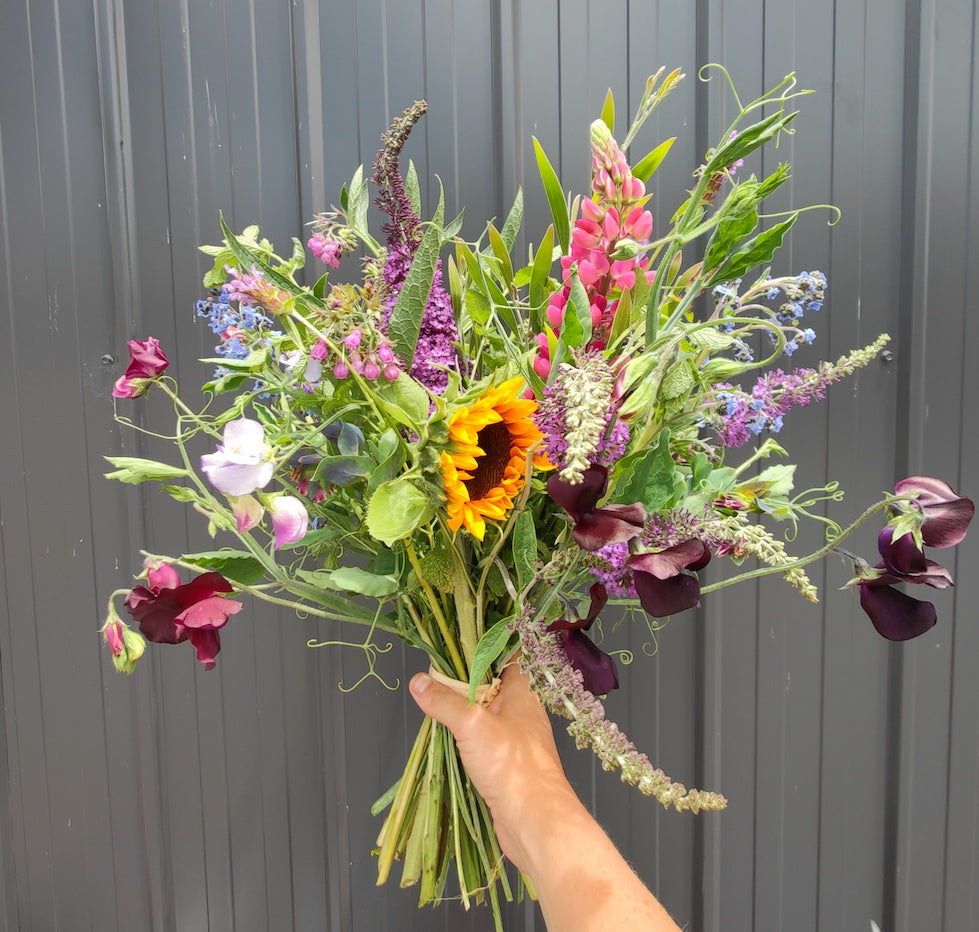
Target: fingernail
x=420 y=683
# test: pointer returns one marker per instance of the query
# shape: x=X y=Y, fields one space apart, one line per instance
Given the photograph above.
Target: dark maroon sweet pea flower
x=169 y=612
x=146 y=363
x=597 y=668
x=662 y=582
x=904 y=560
x=596 y=527
x=946 y=513
x=896 y=615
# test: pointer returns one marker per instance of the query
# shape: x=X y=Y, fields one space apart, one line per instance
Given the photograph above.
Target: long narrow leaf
x=555 y=197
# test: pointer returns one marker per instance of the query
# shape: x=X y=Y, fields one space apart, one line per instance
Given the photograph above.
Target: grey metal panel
x=182 y=800
x=938 y=710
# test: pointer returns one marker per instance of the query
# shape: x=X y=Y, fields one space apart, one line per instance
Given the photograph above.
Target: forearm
x=581 y=880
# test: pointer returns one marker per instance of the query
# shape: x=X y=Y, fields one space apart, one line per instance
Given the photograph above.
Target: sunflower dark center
x=495 y=440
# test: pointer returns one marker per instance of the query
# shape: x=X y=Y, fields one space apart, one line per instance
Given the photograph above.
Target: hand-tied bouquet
x=477 y=458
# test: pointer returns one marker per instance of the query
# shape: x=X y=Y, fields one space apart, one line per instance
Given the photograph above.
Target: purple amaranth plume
x=435 y=351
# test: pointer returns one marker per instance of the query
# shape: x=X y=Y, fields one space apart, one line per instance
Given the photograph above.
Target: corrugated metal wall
x=182 y=800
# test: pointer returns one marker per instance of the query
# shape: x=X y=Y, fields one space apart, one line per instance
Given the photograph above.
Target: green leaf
x=555 y=197
x=477 y=306
x=491 y=645
x=710 y=339
x=524 y=545
x=540 y=271
x=252 y=361
x=390 y=461
x=576 y=326
x=453 y=226
x=248 y=257
x=412 y=189
x=353 y=579
x=679 y=379
x=727 y=234
x=227 y=383
x=406 y=317
x=404 y=399
x=358 y=201
x=237 y=565
x=646 y=168
x=608 y=111
x=134 y=470
x=342 y=470
x=351 y=439
x=180 y=493
x=647 y=476
x=748 y=140
x=511 y=226
x=501 y=253
x=756 y=251
x=397 y=509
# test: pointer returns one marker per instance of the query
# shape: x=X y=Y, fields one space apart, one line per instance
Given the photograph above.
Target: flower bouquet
x=478 y=456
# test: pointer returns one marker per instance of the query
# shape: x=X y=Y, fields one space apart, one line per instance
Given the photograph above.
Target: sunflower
x=485 y=465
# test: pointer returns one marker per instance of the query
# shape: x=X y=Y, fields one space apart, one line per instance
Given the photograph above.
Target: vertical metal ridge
x=902 y=443
x=496 y=75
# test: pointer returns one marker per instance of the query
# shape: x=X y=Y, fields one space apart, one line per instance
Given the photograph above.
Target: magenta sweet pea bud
x=146 y=363
x=371 y=370
x=127 y=646
x=319 y=350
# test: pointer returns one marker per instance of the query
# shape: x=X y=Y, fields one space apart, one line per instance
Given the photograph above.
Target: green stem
x=811 y=558
x=433 y=602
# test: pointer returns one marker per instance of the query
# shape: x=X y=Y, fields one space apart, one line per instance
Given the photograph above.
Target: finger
x=441 y=703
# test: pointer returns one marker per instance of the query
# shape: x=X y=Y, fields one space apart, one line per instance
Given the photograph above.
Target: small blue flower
x=790 y=347
x=809 y=335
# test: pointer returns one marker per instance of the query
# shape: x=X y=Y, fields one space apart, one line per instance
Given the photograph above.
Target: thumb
x=441 y=703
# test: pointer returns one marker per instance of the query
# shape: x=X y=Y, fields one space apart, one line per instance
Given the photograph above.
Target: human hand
x=508 y=751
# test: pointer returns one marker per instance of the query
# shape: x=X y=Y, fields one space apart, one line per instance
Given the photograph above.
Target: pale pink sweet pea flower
x=243 y=461
x=290 y=520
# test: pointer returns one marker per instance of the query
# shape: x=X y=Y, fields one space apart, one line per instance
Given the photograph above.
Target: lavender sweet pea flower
x=290 y=520
x=599 y=675
x=242 y=463
x=946 y=513
x=663 y=586
x=595 y=527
